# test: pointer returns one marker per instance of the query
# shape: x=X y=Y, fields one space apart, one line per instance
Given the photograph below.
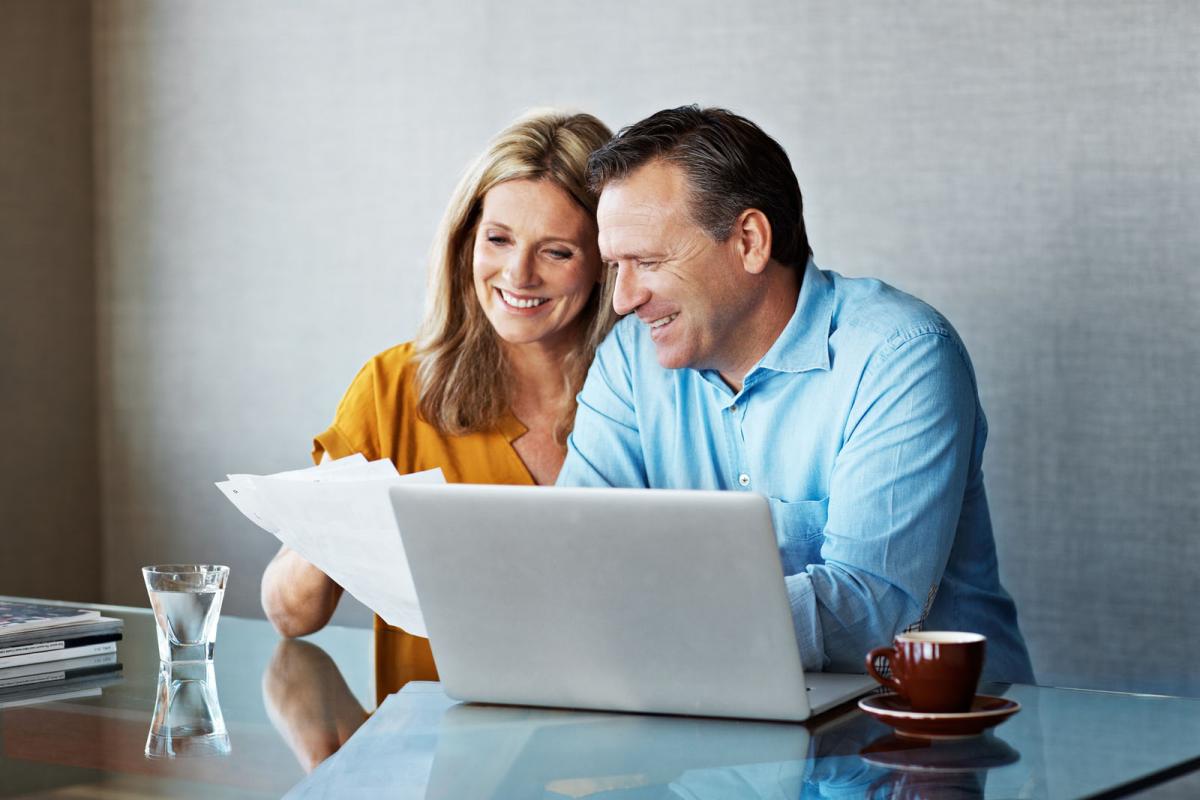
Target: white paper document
x=338 y=517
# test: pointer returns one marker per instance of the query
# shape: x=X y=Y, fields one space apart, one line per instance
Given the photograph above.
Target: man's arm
x=895 y=495
x=605 y=448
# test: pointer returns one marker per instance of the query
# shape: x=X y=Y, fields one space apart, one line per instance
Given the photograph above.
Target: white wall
x=269 y=176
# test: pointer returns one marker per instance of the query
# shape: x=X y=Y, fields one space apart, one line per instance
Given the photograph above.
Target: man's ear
x=752 y=232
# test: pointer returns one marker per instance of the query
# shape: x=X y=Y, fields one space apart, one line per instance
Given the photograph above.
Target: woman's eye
x=496 y=239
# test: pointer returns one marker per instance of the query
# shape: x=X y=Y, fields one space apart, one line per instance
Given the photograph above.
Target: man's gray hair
x=731 y=165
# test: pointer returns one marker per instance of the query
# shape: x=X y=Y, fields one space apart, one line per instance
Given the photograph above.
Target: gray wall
x=268 y=177
x=50 y=539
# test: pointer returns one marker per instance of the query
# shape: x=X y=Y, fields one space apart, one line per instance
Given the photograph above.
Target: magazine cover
x=32 y=616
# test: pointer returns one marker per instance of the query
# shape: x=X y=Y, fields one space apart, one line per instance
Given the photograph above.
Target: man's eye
x=647 y=264
x=561 y=255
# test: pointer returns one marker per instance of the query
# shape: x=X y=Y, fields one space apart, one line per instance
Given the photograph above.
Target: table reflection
x=1063 y=743
x=308 y=701
x=432 y=747
x=614 y=755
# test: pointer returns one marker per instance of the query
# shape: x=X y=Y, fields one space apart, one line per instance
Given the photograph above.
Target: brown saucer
x=892 y=709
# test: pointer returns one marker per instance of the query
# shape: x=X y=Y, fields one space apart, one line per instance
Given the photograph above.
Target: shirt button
x=744 y=479
x=733 y=409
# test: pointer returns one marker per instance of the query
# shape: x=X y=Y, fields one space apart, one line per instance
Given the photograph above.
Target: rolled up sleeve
x=895 y=496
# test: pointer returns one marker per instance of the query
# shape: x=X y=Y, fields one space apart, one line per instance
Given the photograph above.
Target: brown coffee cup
x=936 y=671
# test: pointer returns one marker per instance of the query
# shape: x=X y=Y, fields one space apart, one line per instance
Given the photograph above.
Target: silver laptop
x=653 y=601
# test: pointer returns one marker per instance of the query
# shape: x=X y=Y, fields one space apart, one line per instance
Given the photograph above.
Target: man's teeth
x=658 y=323
x=518 y=302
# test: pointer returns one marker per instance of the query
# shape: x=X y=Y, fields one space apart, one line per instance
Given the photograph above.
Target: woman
x=518 y=302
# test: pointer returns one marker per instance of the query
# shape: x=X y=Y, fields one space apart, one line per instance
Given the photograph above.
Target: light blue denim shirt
x=862 y=426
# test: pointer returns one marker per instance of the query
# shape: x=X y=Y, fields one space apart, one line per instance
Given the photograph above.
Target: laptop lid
x=659 y=601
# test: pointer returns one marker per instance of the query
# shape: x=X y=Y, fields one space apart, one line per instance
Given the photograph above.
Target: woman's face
x=536 y=262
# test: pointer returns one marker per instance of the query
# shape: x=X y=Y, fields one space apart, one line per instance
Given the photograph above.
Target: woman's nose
x=521 y=270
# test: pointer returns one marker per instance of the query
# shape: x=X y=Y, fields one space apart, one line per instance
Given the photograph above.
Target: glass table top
x=301 y=722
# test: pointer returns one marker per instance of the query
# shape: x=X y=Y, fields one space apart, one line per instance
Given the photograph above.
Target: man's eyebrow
x=633 y=255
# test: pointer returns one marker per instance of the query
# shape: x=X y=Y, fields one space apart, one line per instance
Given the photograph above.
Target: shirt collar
x=804 y=343
x=510 y=427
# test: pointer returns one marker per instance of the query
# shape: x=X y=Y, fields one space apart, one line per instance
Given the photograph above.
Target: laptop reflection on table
x=506 y=752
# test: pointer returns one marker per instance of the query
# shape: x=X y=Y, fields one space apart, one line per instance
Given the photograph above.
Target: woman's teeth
x=658 y=323
x=519 y=302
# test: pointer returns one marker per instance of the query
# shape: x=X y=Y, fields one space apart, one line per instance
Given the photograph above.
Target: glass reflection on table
x=187 y=720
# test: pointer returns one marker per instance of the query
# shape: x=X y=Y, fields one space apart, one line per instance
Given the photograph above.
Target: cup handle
x=890 y=654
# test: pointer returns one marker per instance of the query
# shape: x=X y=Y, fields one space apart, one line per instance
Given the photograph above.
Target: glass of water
x=186 y=599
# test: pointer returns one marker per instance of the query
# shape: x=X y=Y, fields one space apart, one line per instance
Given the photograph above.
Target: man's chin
x=670 y=358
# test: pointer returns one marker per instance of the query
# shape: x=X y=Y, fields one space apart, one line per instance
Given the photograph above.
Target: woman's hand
x=297 y=597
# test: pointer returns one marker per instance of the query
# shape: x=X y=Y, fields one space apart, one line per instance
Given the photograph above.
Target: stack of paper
x=338 y=517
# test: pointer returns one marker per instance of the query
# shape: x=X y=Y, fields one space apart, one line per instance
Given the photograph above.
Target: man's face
x=691 y=291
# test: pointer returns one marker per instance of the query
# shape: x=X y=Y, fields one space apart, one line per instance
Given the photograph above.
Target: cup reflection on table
x=186 y=599
x=187 y=718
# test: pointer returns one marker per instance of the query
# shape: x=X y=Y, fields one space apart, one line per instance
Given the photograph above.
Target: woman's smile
x=521 y=302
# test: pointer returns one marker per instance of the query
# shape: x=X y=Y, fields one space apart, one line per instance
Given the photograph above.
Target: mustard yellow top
x=378 y=417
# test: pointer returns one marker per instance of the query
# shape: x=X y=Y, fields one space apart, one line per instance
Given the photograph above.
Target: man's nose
x=628 y=293
x=520 y=272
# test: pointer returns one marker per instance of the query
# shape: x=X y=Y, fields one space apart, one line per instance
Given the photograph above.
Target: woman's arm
x=298 y=598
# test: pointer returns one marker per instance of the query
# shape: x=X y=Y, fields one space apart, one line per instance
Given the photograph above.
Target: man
x=742 y=366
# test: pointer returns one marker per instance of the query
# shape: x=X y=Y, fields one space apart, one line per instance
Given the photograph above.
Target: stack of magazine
x=55 y=652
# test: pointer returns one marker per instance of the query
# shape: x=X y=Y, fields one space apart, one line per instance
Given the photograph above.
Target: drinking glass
x=187 y=719
x=186 y=599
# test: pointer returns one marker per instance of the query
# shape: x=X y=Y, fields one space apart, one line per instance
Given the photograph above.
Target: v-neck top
x=378 y=417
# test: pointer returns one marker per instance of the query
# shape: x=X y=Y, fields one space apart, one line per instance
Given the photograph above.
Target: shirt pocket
x=800 y=531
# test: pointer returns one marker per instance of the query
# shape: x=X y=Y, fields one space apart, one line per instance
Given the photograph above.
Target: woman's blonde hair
x=463 y=378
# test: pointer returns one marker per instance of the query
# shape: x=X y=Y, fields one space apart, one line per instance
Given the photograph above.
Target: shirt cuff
x=806 y=621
